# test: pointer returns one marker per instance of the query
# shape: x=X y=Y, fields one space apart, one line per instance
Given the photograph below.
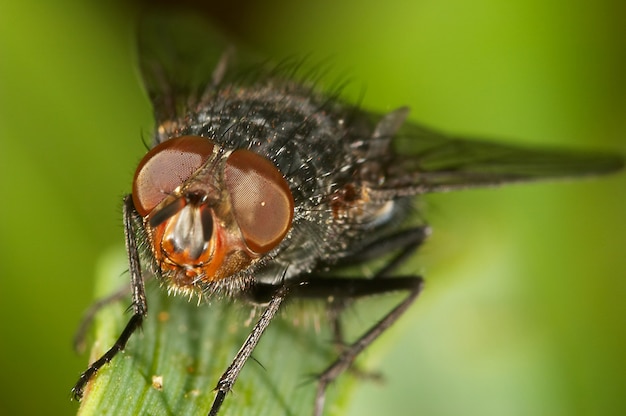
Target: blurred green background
x=525 y=307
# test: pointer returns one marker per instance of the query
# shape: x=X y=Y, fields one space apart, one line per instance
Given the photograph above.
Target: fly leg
x=140 y=305
x=352 y=288
x=344 y=290
x=407 y=240
x=226 y=382
x=344 y=361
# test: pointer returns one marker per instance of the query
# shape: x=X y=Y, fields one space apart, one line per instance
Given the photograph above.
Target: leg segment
x=226 y=382
x=140 y=306
x=407 y=241
x=349 y=353
x=349 y=289
x=342 y=289
x=345 y=290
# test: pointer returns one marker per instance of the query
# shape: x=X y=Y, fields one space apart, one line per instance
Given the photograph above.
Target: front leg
x=140 y=305
x=226 y=382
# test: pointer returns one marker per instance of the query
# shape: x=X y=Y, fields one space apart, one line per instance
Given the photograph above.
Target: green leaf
x=171 y=366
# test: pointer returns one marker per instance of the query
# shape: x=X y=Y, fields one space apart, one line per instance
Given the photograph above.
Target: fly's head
x=209 y=213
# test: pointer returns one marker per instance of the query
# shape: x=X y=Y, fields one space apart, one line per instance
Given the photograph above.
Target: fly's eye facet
x=165 y=167
x=261 y=200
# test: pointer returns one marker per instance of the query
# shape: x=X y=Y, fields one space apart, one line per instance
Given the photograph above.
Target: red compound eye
x=165 y=167
x=261 y=200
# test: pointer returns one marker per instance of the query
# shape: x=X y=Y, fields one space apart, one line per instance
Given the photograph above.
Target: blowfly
x=257 y=186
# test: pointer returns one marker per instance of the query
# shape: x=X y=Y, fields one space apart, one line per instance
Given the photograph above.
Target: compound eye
x=165 y=167
x=261 y=200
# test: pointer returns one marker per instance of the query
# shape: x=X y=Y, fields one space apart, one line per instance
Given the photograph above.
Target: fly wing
x=177 y=55
x=423 y=161
x=183 y=57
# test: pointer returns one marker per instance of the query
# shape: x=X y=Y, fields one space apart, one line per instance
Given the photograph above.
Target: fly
x=245 y=169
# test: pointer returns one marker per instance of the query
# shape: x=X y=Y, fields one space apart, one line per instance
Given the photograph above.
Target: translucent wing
x=424 y=161
x=183 y=59
x=175 y=71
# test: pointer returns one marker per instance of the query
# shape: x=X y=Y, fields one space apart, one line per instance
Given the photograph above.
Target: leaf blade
x=188 y=346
